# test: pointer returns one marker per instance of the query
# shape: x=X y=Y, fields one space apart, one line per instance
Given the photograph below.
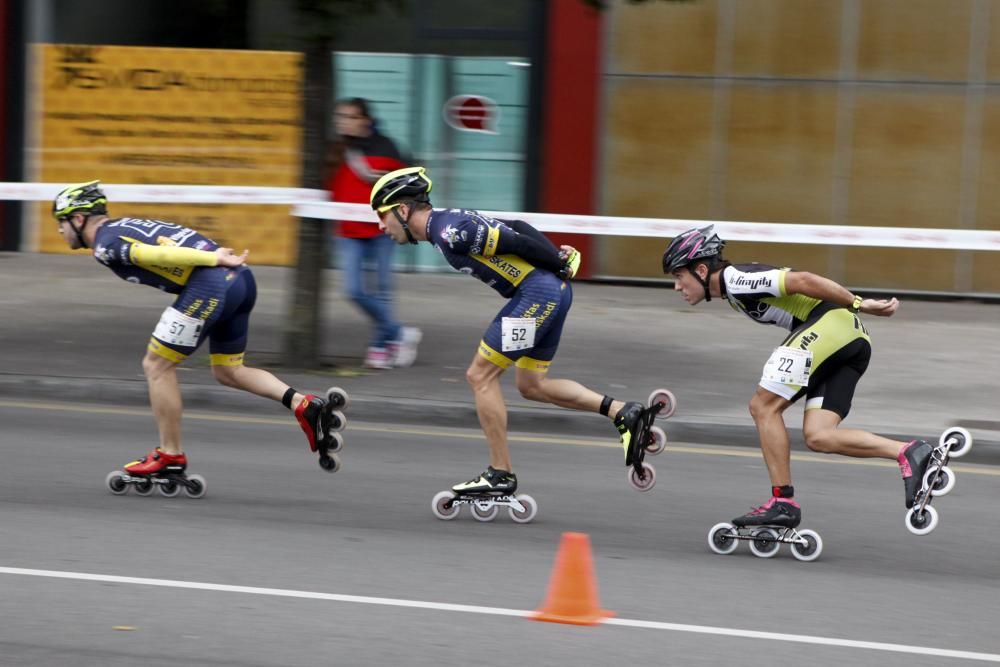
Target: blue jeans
x=358 y=256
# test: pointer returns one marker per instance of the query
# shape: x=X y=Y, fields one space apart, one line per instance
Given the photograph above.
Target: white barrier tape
x=889 y=237
x=312 y=204
x=171 y=194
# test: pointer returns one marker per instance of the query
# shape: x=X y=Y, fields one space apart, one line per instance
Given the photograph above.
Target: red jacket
x=365 y=160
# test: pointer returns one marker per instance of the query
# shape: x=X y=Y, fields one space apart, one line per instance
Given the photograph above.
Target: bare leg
x=254 y=380
x=537 y=386
x=484 y=378
x=767 y=410
x=822 y=435
x=165 y=400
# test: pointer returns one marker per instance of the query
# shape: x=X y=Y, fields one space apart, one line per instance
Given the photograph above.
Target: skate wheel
x=169 y=489
x=722 y=538
x=443 y=506
x=923 y=522
x=812 y=548
x=336 y=442
x=143 y=487
x=115 y=483
x=483 y=511
x=940 y=484
x=337 y=398
x=961 y=441
x=529 y=511
x=646 y=481
x=666 y=397
x=764 y=543
x=657 y=441
x=195 y=487
x=338 y=421
x=329 y=463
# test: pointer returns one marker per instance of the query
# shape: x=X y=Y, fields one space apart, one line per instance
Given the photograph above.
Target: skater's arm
x=818 y=287
x=534 y=248
x=142 y=254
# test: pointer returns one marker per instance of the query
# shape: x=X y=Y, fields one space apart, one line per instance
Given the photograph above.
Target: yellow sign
x=174 y=116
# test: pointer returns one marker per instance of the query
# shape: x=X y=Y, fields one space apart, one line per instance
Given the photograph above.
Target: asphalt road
x=299 y=542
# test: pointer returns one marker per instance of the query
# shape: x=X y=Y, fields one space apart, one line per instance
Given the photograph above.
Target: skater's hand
x=226 y=257
x=879 y=307
x=572 y=257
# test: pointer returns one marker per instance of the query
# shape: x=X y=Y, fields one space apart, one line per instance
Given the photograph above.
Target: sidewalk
x=71 y=330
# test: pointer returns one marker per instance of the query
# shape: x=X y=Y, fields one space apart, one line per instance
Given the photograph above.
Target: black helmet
x=86 y=198
x=692 y=245
x=396 y=187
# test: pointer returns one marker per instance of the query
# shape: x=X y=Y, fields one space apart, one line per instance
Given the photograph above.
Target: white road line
x=498 y=611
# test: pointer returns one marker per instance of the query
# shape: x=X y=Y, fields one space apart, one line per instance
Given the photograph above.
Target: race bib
x=789 y=365
x=176 y=328
x=517 y=333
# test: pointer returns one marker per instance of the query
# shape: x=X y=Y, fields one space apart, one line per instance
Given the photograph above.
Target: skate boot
x=157 y=461
x=913 y=461
x=158 y=470
x=629 y=423
x=782 y=512
x=493 y=482
x=310 y=413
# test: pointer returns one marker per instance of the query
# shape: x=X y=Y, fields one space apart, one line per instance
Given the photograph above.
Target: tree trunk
x=302 y=331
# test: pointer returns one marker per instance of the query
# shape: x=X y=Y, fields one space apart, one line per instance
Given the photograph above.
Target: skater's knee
x=532 y=390
x=821 y=440
x=226 y=375
x=154 y=366
x=481 y=374
x=766 y=405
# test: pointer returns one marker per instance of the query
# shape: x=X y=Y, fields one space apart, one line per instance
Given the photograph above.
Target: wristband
x=856 y=306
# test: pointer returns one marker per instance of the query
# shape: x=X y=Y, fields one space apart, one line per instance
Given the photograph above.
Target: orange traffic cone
x=572 y=596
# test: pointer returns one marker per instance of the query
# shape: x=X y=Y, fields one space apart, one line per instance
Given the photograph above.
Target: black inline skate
x=639 y=437
x=929 y=476
x=766 y=528
x=486 y=494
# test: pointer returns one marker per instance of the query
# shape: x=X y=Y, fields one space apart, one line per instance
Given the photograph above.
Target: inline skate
x=766 y=528
x=485 y=495
x=936 y=480
x=166 y=473
x=639 y=437
x=322 y=420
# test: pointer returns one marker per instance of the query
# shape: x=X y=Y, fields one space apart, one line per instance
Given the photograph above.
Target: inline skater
x=822 y=358
x=522 y=265
x=214 y=294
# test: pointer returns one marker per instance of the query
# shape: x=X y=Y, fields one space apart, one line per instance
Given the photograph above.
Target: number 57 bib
x=789 y=365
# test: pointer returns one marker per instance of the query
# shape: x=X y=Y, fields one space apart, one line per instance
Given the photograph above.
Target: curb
x=368 y=408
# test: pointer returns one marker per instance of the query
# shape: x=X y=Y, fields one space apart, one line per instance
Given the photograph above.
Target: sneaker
x=913 y=460
x=157 y=461
x=309 y=414
x=378 y=357
x=627 y=422
x=403 y=352
x=783 y=512
x=491 y=482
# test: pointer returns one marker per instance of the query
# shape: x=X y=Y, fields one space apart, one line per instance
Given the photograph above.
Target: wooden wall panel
x=664 y=37
x=914 y=40
x=787 y=39
x=657 y=158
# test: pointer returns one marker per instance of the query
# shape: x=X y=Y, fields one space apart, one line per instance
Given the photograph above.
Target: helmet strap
x=405 y=223
x=704 y=281
x=79 y=230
